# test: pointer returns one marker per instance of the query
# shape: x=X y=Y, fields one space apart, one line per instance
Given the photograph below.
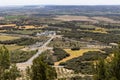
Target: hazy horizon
x=58 y=2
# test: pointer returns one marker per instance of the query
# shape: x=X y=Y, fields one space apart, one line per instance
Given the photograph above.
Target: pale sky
x=59 y=2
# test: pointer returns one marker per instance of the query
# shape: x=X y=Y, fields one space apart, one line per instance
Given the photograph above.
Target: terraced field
x=63 y=72
x=66 y=74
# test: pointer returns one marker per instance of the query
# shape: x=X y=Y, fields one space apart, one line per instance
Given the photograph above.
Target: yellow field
x=105 y=19
x=105 y=32
x=74 y=54
x=74 y=18
x=27 y=27
x=9 y=25
x=3 y=30
x=31 y=27
x=12 y=47
x=4 y=38
x=100 y=30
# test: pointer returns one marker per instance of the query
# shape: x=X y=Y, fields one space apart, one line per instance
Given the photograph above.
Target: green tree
x=4 y=58
x=14 y=72
x=100 y=70
x=115 y=66
x=7 y=71
x=42 y=71
x=28 y=73
x=11 y=74
x=109 y=70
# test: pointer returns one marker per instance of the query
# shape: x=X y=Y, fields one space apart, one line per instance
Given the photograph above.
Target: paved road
x=23 y=66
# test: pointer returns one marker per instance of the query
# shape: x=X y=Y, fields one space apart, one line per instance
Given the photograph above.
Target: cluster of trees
x=18 y=56
x=70 y=24
x=84 y=64
x=108 y=26
x=108 y=70
x=60 y=53
x=57 y=55
x=75 y=48
x=40 y=70
x=105 y=38
x=24 y=41
x=65 y=43
x=8 y=71
x=114 y=32
x=81 y=78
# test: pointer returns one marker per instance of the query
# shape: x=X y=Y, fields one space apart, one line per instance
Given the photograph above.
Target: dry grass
x=32 y=27
x=100 y=30
x=12 y=47
x=3 y=30
x=27 y=27
x=85 y=18
x=97 y=29
x=4 y=38
x=9 y=25
x=74 y=18
x=105 y=19
x=74 y=54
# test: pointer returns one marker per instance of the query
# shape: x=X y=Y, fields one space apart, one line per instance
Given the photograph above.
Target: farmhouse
x=113 y=45
x=46 y=33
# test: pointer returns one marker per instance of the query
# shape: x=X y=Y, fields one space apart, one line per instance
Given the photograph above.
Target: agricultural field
x=74 y=54
x=87 y=26
x=13 y=17
x=23 y=32
x=86 y=18
x=12 y=47
x=105 y=19
x=74 y=18
x=5 y=38
x=8 y=25
x=65 y=43
x=2 y=31
x=18 y=56
x=31 y=27
x=99 y=30
x=78 y=30
x=28 y=27
x=92 y=28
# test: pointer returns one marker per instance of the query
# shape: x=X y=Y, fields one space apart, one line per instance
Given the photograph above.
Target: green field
x=88 y=26
x=26 y=32
x=14 y=17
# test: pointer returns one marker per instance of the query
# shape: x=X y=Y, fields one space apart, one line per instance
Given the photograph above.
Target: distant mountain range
x=86 y=10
